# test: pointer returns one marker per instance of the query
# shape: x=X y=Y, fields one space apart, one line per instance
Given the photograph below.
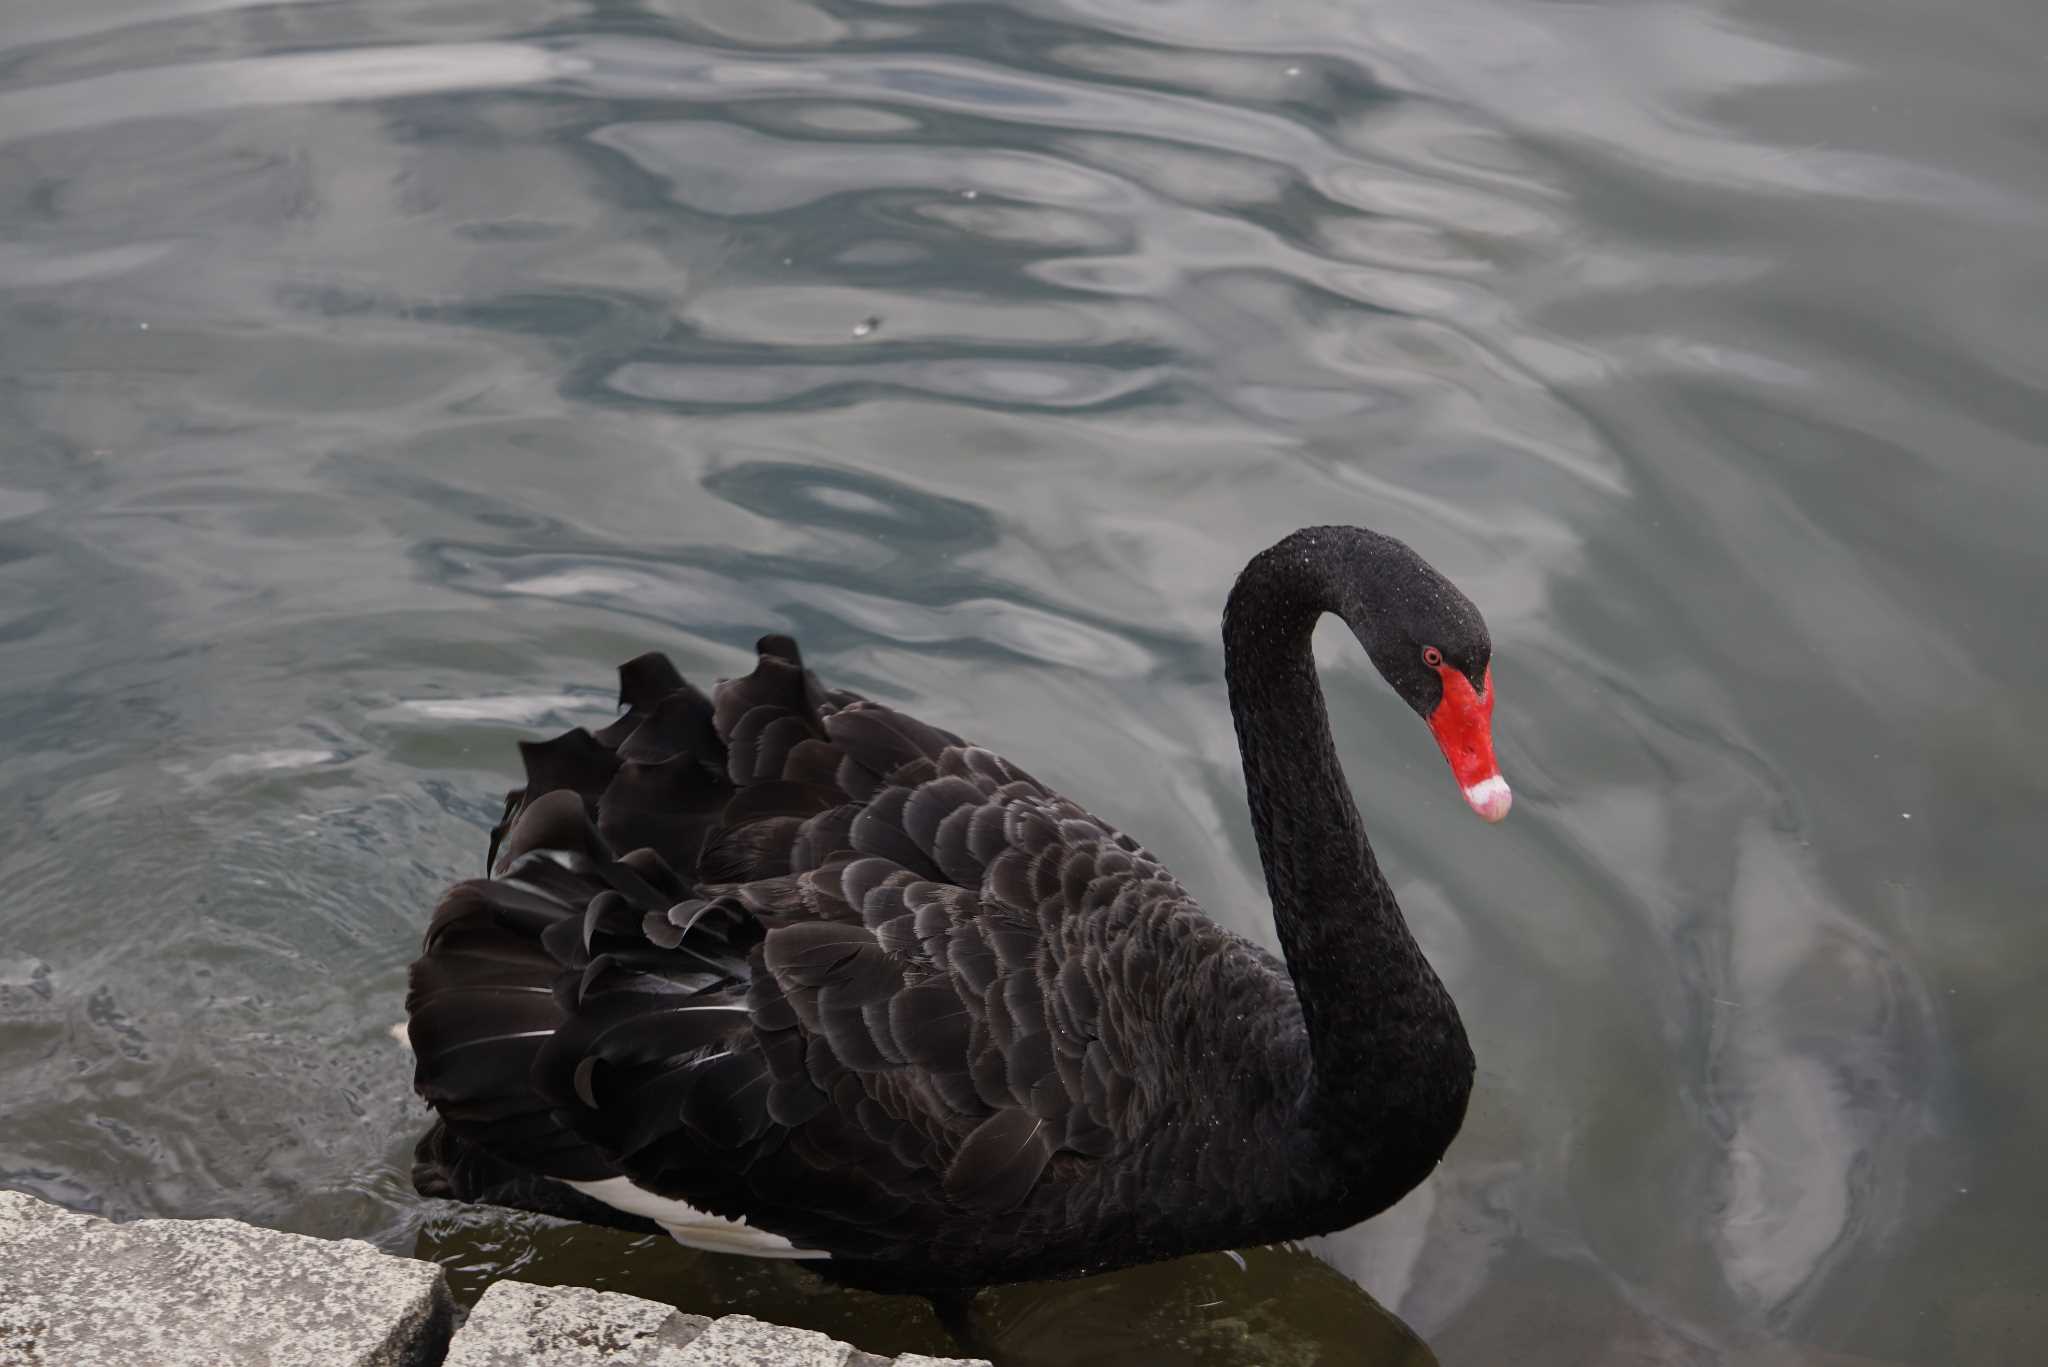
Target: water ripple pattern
x=378 y=376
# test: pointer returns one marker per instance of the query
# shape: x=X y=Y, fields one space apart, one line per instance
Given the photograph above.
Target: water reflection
x=380 y=375
x=1264 y=1305
x=299 y=79
x=1810 y=1068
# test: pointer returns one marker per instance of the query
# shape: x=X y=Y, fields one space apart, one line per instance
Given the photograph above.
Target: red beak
x=1463 y=726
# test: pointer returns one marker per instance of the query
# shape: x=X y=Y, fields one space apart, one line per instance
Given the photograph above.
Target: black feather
x=678 y=726
x=646 y=679
x=929 y=1025
x=997 y=1165
x=572 y=760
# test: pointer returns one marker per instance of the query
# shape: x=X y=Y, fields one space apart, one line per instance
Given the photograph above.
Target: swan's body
x=791 y=973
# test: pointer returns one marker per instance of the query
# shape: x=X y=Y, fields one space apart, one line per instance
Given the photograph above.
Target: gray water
x=374 y=376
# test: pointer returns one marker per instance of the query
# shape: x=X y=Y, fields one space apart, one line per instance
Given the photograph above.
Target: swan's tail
x=506 y=957
x=581 y=1009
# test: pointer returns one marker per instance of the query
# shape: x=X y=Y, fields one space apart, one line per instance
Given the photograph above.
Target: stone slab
x=742 y=1341
x=518 y=1325
x=80 y=1291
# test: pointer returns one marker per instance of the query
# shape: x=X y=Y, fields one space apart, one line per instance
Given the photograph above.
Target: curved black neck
x=1384 y=1039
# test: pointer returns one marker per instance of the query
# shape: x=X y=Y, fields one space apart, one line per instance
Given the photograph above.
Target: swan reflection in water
x=1280 y=1306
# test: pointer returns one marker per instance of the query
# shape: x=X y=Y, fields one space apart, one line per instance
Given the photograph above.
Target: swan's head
x=1430 y=643
x=1425 y=637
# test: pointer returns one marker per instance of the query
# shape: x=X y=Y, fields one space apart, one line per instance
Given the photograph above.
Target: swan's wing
x=813 y=963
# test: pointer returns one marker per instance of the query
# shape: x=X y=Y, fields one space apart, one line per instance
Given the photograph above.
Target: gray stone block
x=517 y=1325
x=741 y=1341
x=79 y=1291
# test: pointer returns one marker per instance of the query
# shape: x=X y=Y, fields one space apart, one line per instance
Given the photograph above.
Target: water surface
x=376 y=375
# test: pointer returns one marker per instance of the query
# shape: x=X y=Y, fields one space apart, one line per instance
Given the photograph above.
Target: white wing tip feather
x=691 y=1227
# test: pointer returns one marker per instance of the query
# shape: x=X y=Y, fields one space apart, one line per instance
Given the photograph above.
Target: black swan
x=790 y=973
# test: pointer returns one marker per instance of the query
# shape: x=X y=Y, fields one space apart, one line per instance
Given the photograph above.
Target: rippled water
x=376 y=375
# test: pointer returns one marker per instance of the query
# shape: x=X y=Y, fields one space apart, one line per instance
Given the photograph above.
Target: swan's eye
x=1433 y=657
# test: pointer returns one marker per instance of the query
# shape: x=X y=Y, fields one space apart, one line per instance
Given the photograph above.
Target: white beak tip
x=1490 y=797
